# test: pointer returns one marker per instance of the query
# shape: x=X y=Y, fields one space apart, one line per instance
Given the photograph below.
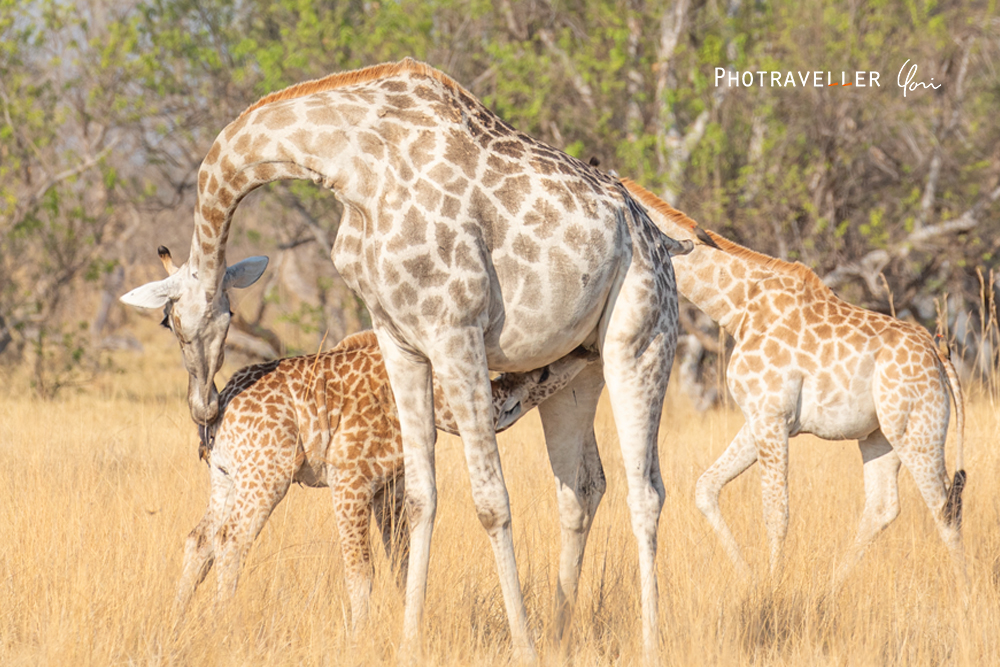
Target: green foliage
x=125 y=99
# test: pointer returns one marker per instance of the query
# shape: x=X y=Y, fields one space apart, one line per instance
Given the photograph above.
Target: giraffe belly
x=543 y=311
x=837 y=415
x=522 y=338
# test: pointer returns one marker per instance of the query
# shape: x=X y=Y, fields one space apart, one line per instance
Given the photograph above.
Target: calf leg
x=881 y=469
x=352 y=505
x=739 y=455
x=199 y=551
x=249 y=510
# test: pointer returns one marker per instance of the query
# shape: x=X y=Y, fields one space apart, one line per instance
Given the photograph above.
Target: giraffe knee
x=706 y=495
x=888 y=512
x=494 y=517
x=645 y=501
x=420 y=508
x=197 y=540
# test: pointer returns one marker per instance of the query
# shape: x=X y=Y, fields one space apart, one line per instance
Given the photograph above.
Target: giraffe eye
x=545 y=375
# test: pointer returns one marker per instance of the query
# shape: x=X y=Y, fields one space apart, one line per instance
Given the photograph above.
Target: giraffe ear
x=244 y=273
x=510 y=412
x=154 y=294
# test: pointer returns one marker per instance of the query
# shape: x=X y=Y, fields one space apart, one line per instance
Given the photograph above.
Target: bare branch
x=52 y=181
x=513 y=26
x=947 y=128
x=869 y=267
x=320 y=234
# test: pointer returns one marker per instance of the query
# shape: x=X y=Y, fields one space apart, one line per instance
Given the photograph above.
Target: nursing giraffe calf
x=325 y=420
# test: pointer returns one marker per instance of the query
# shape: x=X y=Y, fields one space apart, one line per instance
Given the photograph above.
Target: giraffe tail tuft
x=953 y=506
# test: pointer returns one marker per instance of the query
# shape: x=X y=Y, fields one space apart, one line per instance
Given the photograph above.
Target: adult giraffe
x=474 y=247
x=807 y=362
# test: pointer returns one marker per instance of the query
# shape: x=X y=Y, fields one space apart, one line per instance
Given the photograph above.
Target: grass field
x=99 y=488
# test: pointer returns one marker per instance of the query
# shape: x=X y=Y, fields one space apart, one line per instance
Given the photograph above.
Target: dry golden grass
x=99 y=489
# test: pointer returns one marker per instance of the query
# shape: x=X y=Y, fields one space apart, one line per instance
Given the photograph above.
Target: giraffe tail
x=953 y=506
x=639 y=219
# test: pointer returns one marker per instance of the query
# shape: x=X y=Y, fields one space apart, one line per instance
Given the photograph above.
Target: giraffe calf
x=324 y=420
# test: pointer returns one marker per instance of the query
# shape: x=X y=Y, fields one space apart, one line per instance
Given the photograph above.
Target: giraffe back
x=337 y=407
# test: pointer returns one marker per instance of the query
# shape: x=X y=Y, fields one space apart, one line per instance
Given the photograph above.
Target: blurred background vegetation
x=109 y=107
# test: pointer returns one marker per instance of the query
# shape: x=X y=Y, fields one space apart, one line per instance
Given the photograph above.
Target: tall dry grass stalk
x=99 y=489
x=988 y=359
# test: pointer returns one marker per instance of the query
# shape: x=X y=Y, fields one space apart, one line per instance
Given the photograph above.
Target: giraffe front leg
x=198 y=558
x=410 y=378
x=771 y=437
x=462 y=374
x=250 y=510
x=739 y=455
x=881 y=470
x=199 y=549
x=568 y=423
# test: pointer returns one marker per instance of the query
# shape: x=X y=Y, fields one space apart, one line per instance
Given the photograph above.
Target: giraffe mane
x=794 y=269
x=357 y=341
x=352 y=77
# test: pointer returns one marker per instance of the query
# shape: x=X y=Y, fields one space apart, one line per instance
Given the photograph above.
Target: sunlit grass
x=98 y=490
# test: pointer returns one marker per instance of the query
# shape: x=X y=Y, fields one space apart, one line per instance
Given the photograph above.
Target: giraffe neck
x=718 y=283
x=718 y=276
x=250 y=153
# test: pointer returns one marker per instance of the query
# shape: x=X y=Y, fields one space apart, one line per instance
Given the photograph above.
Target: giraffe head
x=199 y=319
x=517 y=393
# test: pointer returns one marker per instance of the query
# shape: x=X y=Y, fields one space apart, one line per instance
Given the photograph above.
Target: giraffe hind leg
x=918 y=431
x=881 y=471
x=352 y=506
x=927 y=467
x=638 y=351
x=738 y=457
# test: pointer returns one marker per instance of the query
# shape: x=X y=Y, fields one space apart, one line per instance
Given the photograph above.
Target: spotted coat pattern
x=807 y=362
x=325 y=420
x=475 y=248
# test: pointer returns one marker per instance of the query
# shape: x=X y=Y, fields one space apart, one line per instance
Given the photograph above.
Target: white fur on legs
x=881 y=470
x=568 y=423
x=739 y=455
x=464 y=379
x=410 y=377
x=638 y=350
x=200 y=546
